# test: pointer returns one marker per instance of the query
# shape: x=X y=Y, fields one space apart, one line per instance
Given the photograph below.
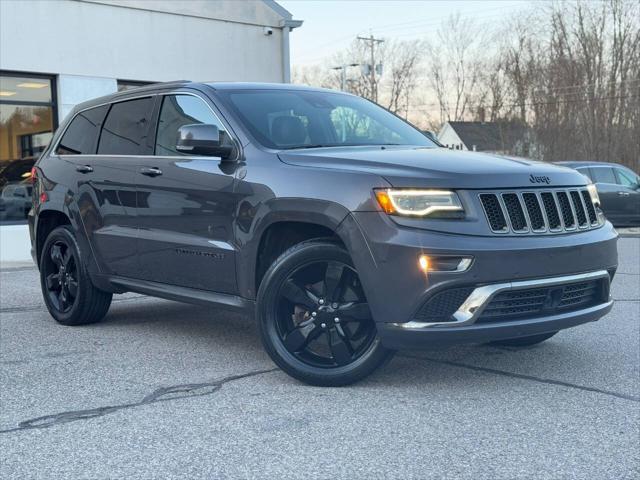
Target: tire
x=524 y=341
x=325 y=343
x=67 y=290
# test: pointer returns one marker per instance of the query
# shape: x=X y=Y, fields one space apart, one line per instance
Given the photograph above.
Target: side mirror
x=202 y=139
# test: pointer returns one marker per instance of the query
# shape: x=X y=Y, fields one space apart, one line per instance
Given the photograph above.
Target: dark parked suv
x=345 y=230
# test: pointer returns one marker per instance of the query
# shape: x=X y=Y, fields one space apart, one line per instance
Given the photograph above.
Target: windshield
x=287 y=119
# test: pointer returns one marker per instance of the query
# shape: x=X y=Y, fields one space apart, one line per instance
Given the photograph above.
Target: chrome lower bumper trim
x=475 y=303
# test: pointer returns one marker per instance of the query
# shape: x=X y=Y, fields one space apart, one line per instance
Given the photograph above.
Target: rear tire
x=524 y=341
x=67 y=290
x=314 y=321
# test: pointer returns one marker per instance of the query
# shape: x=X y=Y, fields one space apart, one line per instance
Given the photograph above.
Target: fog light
x=444 y=263
x=423 y=261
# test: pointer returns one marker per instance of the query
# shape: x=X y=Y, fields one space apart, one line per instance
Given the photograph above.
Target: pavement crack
x=532 y=378
x=163 y=394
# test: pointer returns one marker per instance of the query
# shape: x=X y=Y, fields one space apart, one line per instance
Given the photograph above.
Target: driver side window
x=625 y=179
x=180 y=110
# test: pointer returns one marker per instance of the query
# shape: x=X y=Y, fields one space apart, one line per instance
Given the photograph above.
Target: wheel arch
x=287 y=223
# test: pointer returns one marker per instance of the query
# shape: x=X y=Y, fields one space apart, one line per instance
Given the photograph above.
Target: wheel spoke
x=66 y=258
x=56 y=255
x=53 y=281
x=357 y=312
x=333 y=281
x=297 y=295
x=62 y=299
x=72 y=286
x=341 y=349
x=300 y=337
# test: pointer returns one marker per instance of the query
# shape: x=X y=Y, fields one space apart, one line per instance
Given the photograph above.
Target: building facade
x=75 y=50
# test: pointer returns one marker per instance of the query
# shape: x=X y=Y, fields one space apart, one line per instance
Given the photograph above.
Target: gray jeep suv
x=346 y=231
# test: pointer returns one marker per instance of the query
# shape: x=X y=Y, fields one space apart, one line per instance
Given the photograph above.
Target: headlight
x=420 y=203
x=593 y=193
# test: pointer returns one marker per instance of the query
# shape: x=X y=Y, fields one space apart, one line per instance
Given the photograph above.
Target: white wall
x=74 y=89
x=97 y=39
x=449 y=138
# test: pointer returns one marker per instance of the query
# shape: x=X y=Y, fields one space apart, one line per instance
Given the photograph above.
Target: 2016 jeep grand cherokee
x=348 y=232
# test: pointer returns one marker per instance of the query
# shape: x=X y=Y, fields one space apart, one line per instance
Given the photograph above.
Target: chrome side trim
x=475 y=303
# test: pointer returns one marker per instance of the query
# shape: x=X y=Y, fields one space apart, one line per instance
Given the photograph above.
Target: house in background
x=507 y=138
x=56 y=54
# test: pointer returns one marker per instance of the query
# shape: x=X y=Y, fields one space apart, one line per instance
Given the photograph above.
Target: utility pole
x=343 y=74
x=372 y=68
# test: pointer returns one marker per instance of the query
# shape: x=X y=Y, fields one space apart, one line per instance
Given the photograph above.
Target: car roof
x=578 y=164
x=265 y=86
x=112 y=97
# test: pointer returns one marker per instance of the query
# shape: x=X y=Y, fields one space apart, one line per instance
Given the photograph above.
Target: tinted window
x=585 y=172
x=285 y=119
x=625 y=178
x=179 y=110
x=81 y=135
x=603 y=175
x=126 y=127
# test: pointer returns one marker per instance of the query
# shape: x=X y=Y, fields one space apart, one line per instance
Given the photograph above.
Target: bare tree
x=454 y=66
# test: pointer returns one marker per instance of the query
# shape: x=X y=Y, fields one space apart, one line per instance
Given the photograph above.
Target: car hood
x=436 y=167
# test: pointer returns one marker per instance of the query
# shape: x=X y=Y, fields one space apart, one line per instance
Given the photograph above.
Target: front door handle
x=84 y=168
x=625 y=194
x=150 y=171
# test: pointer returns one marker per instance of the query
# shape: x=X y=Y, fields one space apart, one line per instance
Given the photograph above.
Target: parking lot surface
x=165 y=390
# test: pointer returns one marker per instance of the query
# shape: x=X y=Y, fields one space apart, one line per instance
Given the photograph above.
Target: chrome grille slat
x=581 y=212
x=539 y=211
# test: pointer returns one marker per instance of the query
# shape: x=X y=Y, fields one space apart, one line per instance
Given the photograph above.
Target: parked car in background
x=618 y=188
x=15 y=201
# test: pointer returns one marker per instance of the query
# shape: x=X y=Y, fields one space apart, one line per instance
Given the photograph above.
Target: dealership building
x=69 y=51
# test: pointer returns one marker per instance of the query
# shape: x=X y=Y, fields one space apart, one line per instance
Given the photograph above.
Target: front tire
x=67 y=290
x=314 y=319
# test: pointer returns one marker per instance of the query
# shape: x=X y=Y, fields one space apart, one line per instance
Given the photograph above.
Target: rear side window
x=82 y=134
x=603 y=175
x=126 y=128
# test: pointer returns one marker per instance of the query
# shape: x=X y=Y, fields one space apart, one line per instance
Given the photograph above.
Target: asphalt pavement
x=165 y=390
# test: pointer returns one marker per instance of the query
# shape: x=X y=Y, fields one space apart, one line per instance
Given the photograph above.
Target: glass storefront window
x=27 y=122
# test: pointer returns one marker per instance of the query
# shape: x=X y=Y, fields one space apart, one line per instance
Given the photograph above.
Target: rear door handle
x=84 y=168
x=150 y=171
x=625 y=194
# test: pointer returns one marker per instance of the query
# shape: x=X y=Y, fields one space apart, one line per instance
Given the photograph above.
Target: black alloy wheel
x=68 y=292
x=323 y=316
x=61 y=276
x=314 y=317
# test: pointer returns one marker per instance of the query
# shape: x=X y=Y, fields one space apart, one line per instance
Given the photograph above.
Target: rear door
x=105 y=191
x=186 y=204
x=103 y=143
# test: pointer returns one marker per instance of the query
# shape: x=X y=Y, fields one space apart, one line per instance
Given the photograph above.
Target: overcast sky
x=331 y=25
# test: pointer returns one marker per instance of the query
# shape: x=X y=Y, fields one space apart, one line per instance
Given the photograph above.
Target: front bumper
x=395 y=337
x=386 y=257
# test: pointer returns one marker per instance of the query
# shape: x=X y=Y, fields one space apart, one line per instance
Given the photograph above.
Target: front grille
x=538 y=212
x=442 y=305
x=535 y=302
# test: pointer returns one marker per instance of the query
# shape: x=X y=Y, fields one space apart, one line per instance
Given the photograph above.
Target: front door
x=628 y=196
x=186 y=205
